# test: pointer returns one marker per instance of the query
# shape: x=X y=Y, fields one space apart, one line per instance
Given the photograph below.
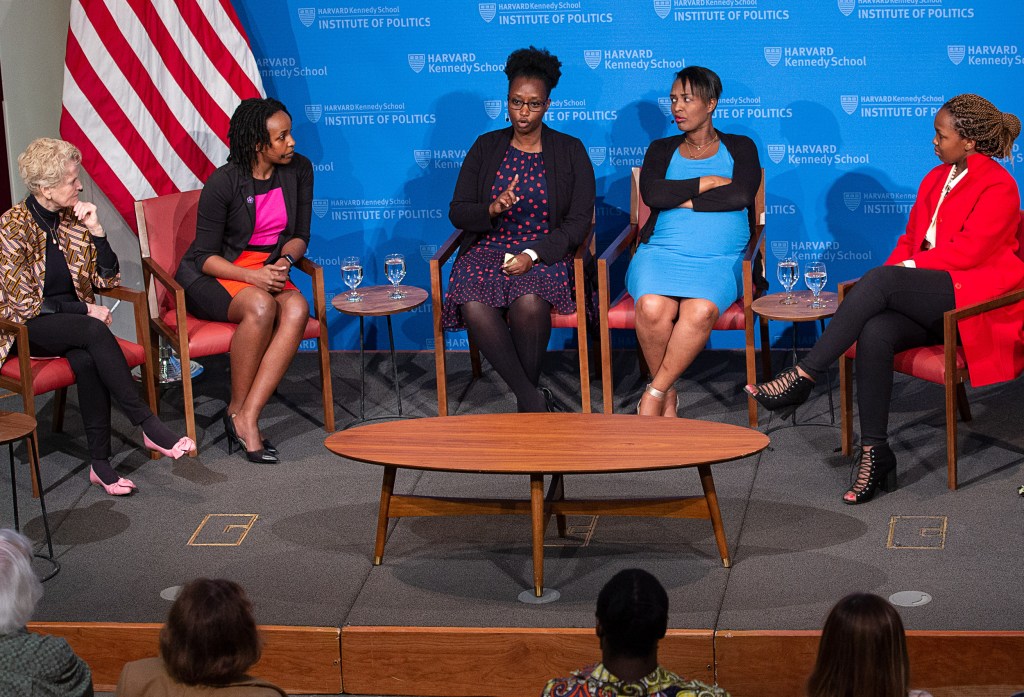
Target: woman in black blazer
x=253 y=226
x=524 y=200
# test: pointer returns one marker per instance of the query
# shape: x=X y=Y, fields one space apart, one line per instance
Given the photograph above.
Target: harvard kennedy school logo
x=307 y=15
x=492 y=107
x=320 y=207
x=417 y=61
x=849 y=102
x=662 y=8
x=422 y=158
x=773 y=54
x=776 y=153
x=956 y=53
x=487 y=10
x=313 y=112
x=780 y=248
x=597 y=154
x=592 y=58
x=851 y=199
x=846 y=6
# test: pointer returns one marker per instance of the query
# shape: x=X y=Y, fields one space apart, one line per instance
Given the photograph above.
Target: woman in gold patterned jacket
x=53 y=251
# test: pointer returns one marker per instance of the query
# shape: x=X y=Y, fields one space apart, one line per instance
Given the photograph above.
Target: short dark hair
x=536 y=63
x=248 y=129
x=704 y=82
x=863 y=651
x=210 y=637
x=632 y=609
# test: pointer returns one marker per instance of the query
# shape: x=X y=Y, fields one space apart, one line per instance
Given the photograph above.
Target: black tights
x=101 y=371
x=891 y=309
x=514 y=343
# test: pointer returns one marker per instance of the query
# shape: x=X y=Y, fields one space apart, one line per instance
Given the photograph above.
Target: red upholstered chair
x=167 y=226
x=576 y=320
x=30 y=377
x=943 y=364
x=621 y=312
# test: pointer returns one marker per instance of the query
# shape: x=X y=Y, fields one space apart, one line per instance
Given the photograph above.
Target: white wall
x=33 y=35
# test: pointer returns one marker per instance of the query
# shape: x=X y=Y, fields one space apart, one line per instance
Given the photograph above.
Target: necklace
x=695 y=150
x=949 y=180
x=40 y=216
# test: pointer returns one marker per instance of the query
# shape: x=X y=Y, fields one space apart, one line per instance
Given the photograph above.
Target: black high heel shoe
x=263 y=456
x=874 y=468
x=784 y=394
x=550 y=402
x=270 y=447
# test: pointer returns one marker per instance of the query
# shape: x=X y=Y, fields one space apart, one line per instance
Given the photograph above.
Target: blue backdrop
x=839 y=96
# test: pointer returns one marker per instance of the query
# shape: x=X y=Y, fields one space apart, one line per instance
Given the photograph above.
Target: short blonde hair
x=44 y=161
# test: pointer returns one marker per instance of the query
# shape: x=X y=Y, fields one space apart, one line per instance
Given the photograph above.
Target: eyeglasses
x=517 y=104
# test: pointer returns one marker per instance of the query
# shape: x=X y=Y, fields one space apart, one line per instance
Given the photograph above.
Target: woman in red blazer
x=960 y=248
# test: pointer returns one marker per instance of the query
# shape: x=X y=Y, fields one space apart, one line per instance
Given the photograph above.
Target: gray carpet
x=306 y=559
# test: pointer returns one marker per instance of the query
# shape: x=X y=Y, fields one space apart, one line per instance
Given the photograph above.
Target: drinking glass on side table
x=788 y=272
x=352 y=276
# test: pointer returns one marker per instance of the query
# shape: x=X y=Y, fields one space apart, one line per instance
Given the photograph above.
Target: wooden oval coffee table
x=547 y=444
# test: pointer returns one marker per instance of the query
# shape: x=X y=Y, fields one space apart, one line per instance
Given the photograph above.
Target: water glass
x=352 y=275
x=788 y=273
x=394 y=269
x=815 y=277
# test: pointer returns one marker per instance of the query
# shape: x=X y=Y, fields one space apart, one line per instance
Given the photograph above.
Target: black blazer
x=227 y=214
x=570 y=178
x=661 y=194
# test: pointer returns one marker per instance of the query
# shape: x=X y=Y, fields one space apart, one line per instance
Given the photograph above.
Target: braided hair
x=247 y=132
x=534 y=63
x=633 y=611
x=975 y=118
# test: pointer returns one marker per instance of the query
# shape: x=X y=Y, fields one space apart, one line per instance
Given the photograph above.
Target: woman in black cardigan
x=687 y=269
x=253 y=226
x=524 y=200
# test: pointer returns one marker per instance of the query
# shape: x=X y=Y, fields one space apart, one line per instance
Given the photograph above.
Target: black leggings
x=514 y=342
x=100 y=371
x=891 y=309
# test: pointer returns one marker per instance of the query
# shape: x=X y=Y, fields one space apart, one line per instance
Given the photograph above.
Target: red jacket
x=976 y=242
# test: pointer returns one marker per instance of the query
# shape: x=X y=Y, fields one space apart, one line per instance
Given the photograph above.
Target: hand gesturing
x=506 y=199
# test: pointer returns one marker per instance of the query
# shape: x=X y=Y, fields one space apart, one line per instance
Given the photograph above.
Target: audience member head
x=248 y=132
x=44 y=164
x=975 y=118
x=534 y=63
x=20 y=589
x=704 y=83
x=863 y=651
x=632 y=614
x=210 y=637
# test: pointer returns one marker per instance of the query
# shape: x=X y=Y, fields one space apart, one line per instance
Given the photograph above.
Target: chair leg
x=607 y=380
x=327 y=383
x=951 y=427
x=60 y=399
x=751 y=360
x=846 y=403
x=961 y=402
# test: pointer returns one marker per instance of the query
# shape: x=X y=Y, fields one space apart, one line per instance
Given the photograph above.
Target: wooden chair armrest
x=161 y=275
x=446 y=250
x=845 y=287
x=308 y=267
x=1003 y=300
x=620 y=244
x=23 y=384
x=121 y=293
x=316 y=274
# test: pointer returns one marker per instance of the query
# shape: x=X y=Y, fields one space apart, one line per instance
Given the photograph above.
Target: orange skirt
x=249 y=260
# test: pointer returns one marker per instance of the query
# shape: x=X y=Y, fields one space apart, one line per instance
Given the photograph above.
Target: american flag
x=149 y=88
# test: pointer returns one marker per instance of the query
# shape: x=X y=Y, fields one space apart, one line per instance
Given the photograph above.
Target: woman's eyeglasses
x=517 y=104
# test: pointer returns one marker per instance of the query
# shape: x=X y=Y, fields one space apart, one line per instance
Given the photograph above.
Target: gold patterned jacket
x=23 y=265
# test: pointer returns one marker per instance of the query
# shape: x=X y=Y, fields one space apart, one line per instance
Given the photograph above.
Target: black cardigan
x=661 y=194
x=570 y=178
x=227 y=214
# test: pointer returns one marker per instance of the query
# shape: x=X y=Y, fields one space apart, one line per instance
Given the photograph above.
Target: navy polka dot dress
x=477 y=275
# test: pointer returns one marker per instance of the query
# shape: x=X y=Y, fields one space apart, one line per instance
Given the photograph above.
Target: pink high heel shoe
x=119 y=488
x=182 y=447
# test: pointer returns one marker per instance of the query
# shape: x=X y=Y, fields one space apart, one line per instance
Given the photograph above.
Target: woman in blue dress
x=687 y=267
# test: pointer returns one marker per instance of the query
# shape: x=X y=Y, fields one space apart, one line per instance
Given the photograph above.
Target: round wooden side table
x=770 y=307
x=377 y=302
x=15 y=426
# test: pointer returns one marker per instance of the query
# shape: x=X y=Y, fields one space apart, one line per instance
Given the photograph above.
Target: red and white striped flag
x=149 y=88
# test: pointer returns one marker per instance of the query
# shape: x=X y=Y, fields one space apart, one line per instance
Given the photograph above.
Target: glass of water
x=815 y=277
x=352 y=275
x=394 y=268
x=788 y=273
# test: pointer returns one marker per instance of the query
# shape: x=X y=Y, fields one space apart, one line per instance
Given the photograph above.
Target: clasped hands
x=271 y=277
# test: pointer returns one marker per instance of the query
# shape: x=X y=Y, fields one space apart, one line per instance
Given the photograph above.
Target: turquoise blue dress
x=693 y=254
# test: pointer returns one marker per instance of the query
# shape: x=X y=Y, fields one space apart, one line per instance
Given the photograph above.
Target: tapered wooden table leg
x=537 y=518
x=386 y=489
x=708 y=483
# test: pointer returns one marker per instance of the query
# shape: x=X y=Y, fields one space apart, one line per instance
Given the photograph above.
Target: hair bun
x=1012 y=124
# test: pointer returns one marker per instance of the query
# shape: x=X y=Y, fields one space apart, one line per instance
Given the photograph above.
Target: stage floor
x=298 y=535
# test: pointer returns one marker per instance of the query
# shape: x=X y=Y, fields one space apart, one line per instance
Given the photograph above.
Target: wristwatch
x=290 y=258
